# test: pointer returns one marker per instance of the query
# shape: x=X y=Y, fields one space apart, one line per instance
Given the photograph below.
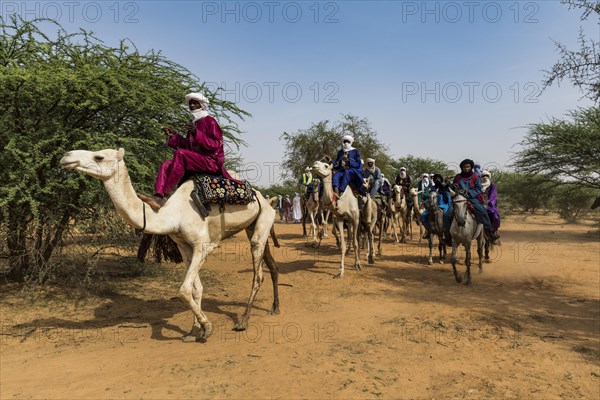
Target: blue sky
x=440 y=79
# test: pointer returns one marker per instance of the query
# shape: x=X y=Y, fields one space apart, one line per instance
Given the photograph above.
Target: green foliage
x=417 y=166
x=573 y=202
x=581 y=66
x=71 y=91
x=528 y=193
x=564 y=149
x=324 y=139
x=289 y=187
x=533 y=193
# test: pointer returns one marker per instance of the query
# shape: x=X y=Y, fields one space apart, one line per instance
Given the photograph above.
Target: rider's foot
x=155 y=202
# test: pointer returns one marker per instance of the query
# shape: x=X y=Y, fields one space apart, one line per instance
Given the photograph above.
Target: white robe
x=296 y=209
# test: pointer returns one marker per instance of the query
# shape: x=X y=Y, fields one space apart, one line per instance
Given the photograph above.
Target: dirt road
x=529 y=327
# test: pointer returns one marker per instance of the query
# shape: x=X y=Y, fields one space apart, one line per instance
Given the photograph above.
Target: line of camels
x=197 y=237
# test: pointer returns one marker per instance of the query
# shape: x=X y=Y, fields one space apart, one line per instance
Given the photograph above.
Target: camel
x=418 y=211
x=311 y=209
x=464 y=229
x=347 y=210
x=436 y=227
x=398 y=209
x=195 y=237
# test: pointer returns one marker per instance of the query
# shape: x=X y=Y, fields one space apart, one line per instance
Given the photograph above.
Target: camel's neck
x=327 y=183
x=129 y=206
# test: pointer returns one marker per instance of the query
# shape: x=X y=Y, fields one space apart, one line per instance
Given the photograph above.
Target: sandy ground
x=529 y=327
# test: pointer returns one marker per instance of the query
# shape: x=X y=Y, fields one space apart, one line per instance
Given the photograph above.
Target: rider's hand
x=169 y=132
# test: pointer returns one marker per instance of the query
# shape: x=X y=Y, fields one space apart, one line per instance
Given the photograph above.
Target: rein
x=144 y=214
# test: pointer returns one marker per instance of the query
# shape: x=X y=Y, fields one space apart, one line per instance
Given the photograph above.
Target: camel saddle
x=213 y=189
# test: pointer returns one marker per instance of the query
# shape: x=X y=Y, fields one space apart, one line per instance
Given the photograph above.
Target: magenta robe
x=200 y=151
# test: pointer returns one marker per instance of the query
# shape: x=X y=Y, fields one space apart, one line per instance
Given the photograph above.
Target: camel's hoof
x=468 y=283
x=371 y=260
x=274 y=311
x=358 y=267
x=241 y=326
x=488 y=261
x=189 y=339
x=430 y=262
x=206 y=331
x=458 y=278
x=196 y=334
x=441 y=261
x=338 y=276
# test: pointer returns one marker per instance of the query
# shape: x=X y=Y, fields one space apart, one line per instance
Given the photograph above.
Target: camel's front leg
x=339 y=223
x=453 y=261
x=371 y=258
x=480 y=252
x=430 y=260
x=324 y=221
x=191 y=293
x=442 y=250
x=379 y=252
x=354 y=225
x=468 y=264
x=258 y=241
x=314 y=228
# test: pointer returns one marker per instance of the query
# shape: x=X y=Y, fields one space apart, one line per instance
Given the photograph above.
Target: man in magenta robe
x=200 y=151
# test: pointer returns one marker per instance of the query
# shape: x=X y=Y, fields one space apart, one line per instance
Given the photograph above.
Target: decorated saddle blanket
x=218 y=190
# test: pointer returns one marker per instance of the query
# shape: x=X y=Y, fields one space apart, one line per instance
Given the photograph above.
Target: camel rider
x=386 y=187
x=403 y=180
x=490 y=195
x=444 y=203
x=347 y=167
x=469 y=181
x=200 y=151
x=305 y=183
x=423 y=188
x=373 y=176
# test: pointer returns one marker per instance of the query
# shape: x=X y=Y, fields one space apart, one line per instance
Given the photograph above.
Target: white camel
x=347 y=210
x=463 y=230
x=195 y=237
x=417 y=210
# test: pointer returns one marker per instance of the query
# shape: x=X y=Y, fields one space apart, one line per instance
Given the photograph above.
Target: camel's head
x=102 y=164
x=414 y=192
x=321 y=168
x=397 y=189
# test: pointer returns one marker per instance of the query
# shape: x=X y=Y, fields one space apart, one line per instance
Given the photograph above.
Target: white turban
x=348 y=137
x=485 y=183
x=200 y=98
x=370 y=160
x=307 y=169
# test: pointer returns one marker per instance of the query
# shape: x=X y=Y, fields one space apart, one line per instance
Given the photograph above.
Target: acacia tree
x=581 y=66
x=324 y=139
x=566 y=150
x=71 y=91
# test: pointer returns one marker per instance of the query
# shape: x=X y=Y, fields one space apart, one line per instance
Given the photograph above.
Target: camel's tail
x=274 y=237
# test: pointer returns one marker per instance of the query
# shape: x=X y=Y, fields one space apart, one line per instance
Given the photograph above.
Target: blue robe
x=349 y=175
x=475 y=196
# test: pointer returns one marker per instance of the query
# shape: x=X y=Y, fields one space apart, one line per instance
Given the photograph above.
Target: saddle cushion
x=218 y=190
